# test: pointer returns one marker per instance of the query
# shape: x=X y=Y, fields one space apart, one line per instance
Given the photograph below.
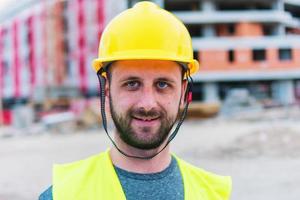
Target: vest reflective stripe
x=95 y=179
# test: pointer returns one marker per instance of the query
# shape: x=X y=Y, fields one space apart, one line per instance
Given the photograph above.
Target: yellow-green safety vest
x=95 y=179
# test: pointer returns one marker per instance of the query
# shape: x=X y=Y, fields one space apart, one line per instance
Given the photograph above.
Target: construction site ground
x=260 y=151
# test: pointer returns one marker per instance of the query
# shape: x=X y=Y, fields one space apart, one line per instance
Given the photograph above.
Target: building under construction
x=46 y=47
x=253 y=44
x=46 y=50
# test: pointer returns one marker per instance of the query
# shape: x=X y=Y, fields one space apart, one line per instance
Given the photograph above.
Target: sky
x=5 y=3
x=7 y=7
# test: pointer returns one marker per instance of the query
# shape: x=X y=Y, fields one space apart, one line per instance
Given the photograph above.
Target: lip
x=141 y=122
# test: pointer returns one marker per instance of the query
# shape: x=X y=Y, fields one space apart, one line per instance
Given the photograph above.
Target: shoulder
x=78 y=179
x=81 y=165
x=74 y=177
x=79 y=169
x=203 y=174
x=47 y=194
x=213 y=183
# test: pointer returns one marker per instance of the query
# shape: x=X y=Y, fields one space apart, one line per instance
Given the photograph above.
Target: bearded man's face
x=144 y=98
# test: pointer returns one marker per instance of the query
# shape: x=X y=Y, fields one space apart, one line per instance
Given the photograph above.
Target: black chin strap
x=187 y=98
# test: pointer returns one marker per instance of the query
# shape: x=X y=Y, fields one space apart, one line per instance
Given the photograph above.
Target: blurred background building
x=46 y=49
x=253 y=44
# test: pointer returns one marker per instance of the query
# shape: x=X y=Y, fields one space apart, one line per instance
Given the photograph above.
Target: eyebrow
x=130 y=78
x=165 y=79
x=170 y=80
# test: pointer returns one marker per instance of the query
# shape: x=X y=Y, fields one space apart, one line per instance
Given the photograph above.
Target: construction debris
x=273 y=141
x=203 y=110
x=239 y=101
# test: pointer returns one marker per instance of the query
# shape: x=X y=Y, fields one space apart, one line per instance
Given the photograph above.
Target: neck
x=153 y=165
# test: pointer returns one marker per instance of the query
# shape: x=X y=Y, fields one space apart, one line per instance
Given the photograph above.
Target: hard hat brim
x=145 y=55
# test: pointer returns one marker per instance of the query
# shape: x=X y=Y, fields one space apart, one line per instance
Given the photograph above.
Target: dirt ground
x=260 y=151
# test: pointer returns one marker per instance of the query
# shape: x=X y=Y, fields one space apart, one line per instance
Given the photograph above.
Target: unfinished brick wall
x=218 y=60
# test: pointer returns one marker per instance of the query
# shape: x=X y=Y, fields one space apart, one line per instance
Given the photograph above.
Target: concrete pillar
x=160 y=3
x=209 y=30
x=278 y=5
x=279 y=30
x=211 y=92
x=133 y=2
x=208 y=6
x=283 y=92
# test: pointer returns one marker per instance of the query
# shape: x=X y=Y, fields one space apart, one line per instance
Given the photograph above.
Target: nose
x=147 y=99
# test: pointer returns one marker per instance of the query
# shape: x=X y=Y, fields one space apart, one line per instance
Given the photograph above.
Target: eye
x=132 y=85
x=162 y=84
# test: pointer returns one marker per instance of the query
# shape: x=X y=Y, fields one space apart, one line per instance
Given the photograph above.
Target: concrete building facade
x=253 y=44
x=46 y=45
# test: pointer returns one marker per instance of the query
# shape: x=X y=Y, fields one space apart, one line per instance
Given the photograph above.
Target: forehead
x=147 y=68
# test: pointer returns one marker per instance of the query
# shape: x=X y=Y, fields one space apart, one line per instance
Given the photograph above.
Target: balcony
x=246 y=42
x=292 y=2
x=254 y=75
x=213 y=17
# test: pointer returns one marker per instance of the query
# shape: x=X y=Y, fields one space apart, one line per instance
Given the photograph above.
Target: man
x=144 y=67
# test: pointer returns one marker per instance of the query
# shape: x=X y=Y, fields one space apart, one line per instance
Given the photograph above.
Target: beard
x=146 y=138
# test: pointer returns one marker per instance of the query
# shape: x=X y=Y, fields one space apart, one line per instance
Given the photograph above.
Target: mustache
x=141 y=112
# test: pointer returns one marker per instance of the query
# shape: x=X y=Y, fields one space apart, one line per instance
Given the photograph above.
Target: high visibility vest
x=95 y=179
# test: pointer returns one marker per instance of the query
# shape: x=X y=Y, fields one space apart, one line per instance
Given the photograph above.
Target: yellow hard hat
x=146 y=32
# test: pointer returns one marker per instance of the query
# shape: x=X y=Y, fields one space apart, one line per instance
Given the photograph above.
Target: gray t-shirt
x=166 y=184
